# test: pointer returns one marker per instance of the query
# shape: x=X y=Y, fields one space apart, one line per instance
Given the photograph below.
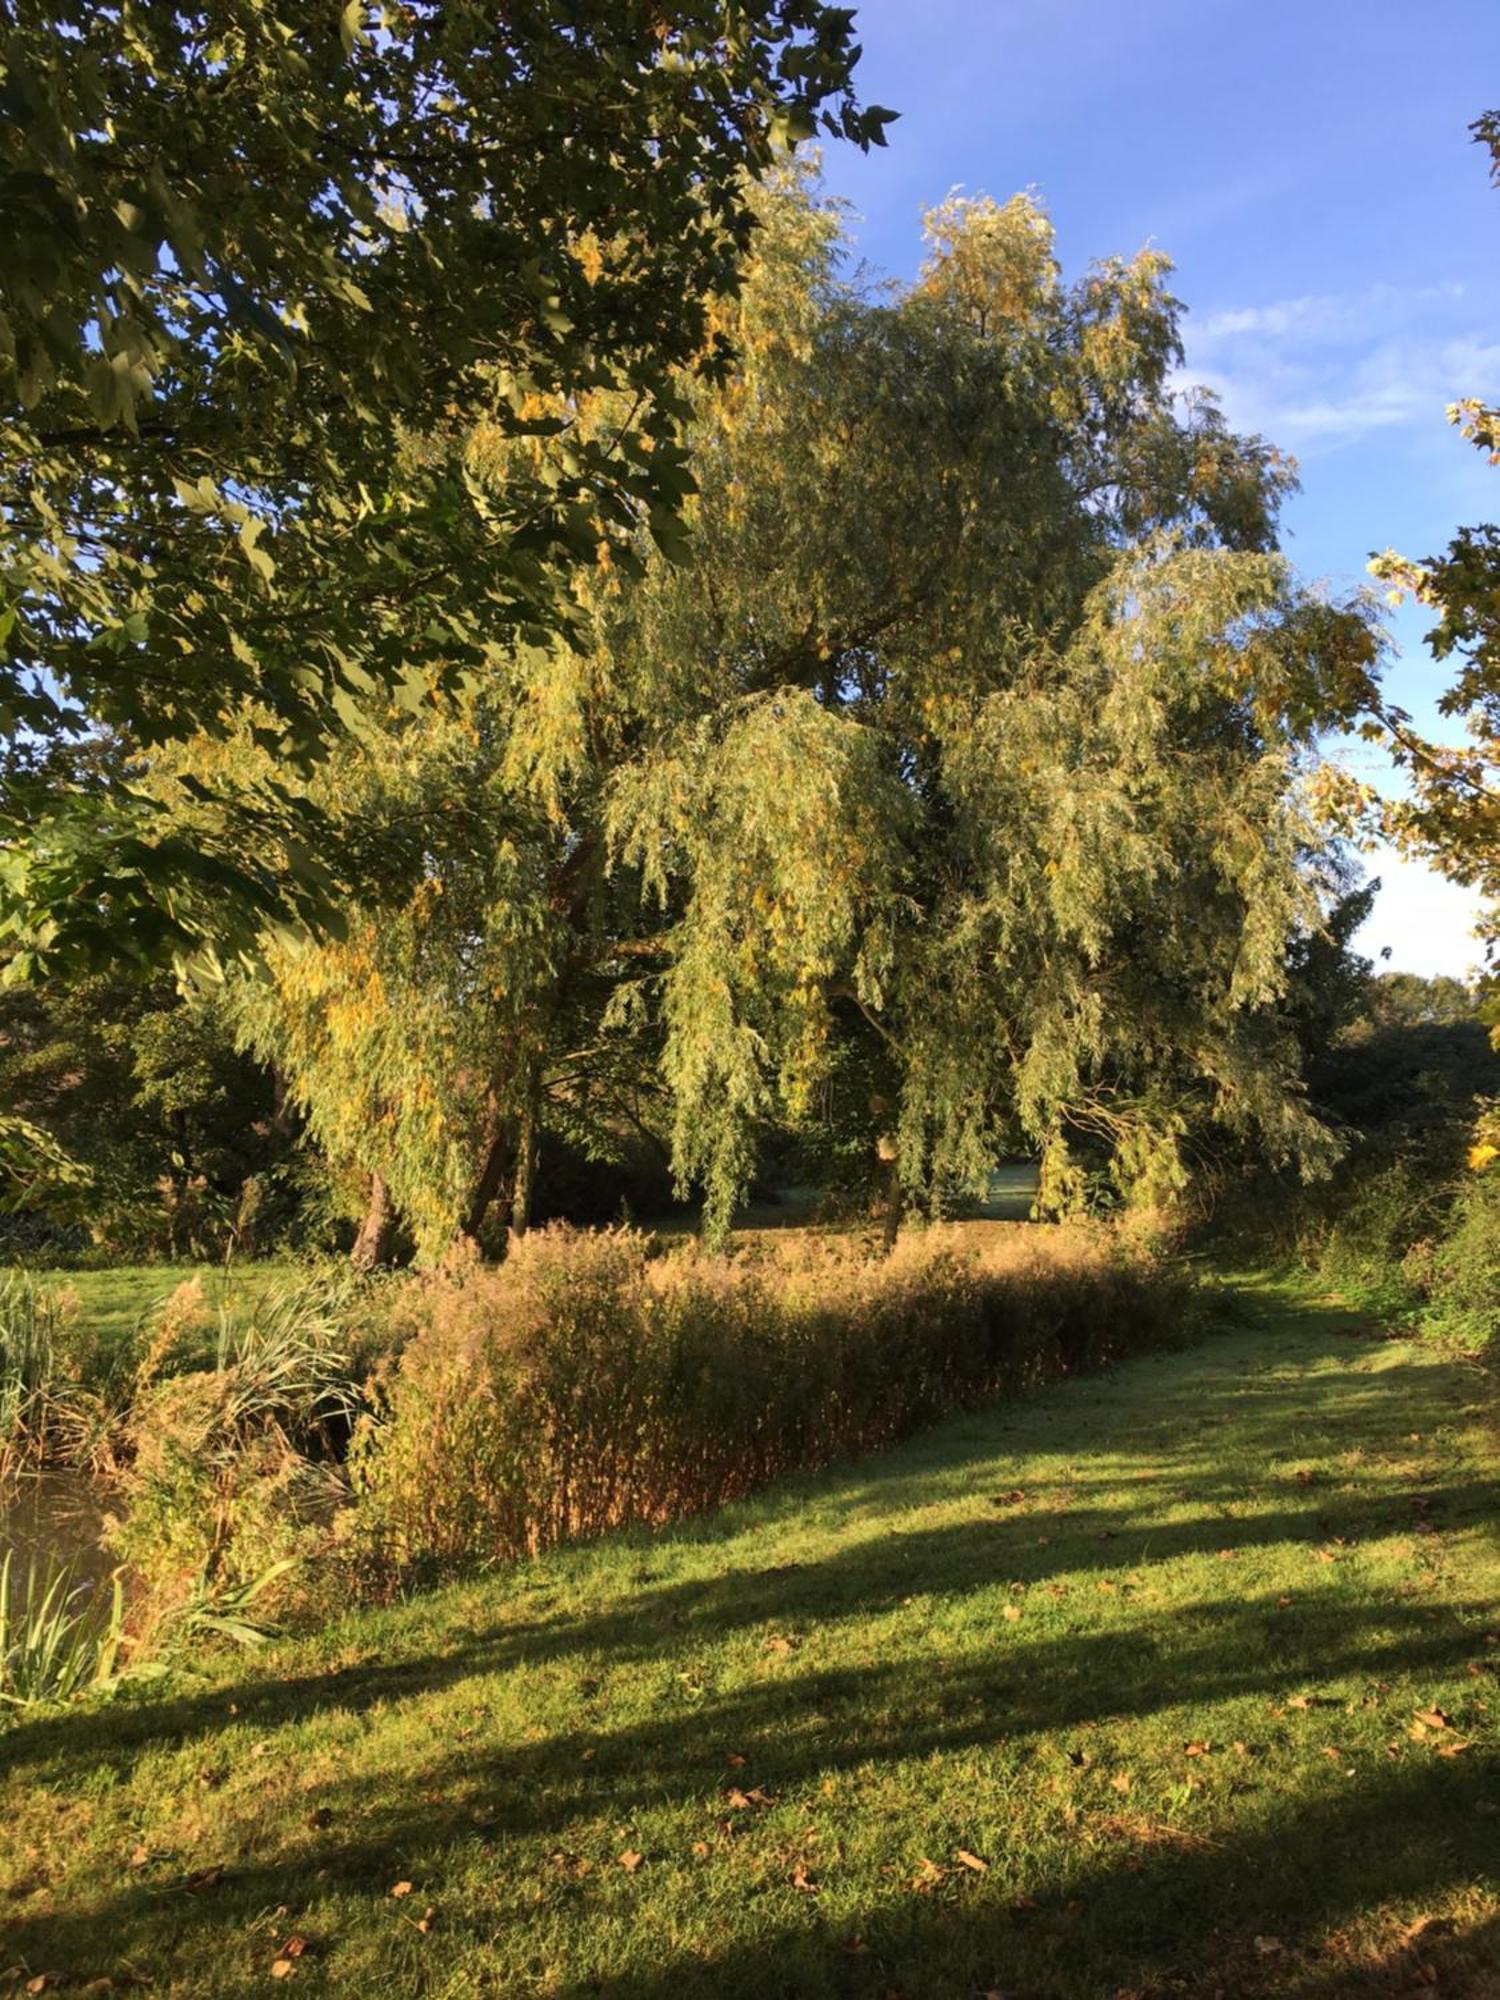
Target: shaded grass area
x=1112 y=1692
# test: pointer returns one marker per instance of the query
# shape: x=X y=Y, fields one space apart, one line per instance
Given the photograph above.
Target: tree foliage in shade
x=1453 y=812
x=964 y=770
x=264 y=268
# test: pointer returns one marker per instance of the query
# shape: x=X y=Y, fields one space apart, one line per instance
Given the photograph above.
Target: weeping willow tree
x=961 y=756
x=994 y=761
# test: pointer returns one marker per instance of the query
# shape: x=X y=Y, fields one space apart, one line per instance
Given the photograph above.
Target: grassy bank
x=1175 y=1680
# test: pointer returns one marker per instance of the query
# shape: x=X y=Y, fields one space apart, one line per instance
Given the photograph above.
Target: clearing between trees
x=1176 y=1680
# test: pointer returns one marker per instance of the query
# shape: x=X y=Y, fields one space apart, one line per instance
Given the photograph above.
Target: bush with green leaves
x=1465 y=1275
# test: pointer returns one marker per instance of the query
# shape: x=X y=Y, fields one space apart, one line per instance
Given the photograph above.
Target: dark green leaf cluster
x=264 y=271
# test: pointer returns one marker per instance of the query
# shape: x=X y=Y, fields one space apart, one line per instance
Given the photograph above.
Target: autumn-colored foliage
x=588 y=1383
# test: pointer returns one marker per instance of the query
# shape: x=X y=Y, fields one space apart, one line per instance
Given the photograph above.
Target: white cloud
x=1336 y=316
x=1317 y=373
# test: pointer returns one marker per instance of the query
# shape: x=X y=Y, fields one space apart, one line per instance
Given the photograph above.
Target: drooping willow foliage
x=955 y=777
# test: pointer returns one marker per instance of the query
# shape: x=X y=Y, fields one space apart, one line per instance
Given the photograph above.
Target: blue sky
x=1309 y=169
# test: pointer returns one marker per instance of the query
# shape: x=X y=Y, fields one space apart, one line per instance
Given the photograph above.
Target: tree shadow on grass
x=1159 y=1914
x=1062 y=1530
x=1153 y=1907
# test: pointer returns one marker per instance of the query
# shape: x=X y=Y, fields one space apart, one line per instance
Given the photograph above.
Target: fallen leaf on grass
x=802 y=1880
x=734 y=1760
x=1195 y=1749
x=1455 y=1749
x=743 y=1801
x=630 y=1861
x=968 y=1860
x=1433 y=1718
x=1011 y=1612
x=780 y=1645
x=1121 y=1781
x=401 y=1889
x=576 y=1865
x=282 y=1968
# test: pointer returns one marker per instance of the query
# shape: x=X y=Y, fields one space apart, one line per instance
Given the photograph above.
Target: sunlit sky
x=1309 y=169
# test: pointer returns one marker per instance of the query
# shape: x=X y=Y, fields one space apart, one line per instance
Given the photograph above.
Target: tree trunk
x=492 y=1174
x=372 y=1246
x=528 y=1145
x=893 y=1208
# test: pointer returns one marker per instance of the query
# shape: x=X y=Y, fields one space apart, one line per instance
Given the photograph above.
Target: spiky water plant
x=57 y=1639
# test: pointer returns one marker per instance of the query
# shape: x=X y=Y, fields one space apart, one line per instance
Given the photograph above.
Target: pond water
x=1012 y=1189
x=57 y=1518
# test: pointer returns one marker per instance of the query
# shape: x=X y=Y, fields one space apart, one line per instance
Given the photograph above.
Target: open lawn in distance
x=114 y=1301
x=1180 y=1680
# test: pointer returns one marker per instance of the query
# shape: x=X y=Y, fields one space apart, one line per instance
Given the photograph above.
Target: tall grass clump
x=59 y=1638
x=36 y=1328
x=587 y=1383
x=232 y=1471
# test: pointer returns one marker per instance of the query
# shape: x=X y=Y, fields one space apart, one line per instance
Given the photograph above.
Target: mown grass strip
x=1177 y=1680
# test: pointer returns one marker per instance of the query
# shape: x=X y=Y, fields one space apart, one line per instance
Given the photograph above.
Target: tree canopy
x=265 y=271
x=963 y=772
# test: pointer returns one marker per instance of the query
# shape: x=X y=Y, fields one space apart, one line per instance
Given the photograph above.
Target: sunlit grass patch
x=1177 y=1680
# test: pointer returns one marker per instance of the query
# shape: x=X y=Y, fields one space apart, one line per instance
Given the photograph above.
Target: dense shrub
x=1464 y=1281
x=587 y=1383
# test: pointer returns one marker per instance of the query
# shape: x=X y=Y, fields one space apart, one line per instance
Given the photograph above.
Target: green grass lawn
x=114 y=1301
x=1180 y=1681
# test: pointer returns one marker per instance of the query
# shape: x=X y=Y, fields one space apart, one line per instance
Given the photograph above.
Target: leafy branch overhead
x=1453 y=811
x=265 y=273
